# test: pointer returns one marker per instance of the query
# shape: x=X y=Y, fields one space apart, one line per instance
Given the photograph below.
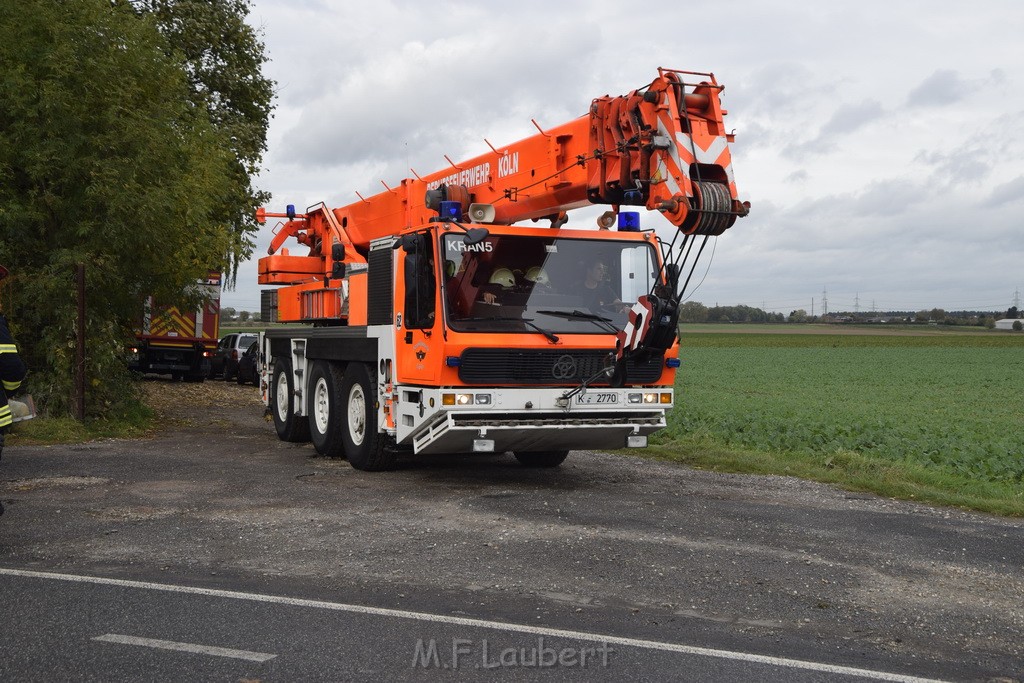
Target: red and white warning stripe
x=631 y=336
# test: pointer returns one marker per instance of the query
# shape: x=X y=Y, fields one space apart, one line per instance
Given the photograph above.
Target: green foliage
x=104 y=161
x=944 y=404
x=693 y=312
x=223 y=57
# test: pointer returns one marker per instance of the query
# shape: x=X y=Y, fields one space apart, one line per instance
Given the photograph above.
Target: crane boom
x=663 y=147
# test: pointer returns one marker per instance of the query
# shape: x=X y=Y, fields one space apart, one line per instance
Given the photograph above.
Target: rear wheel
x=541 y=458
x=327 y=417
x=290 y=427
x=365 y=447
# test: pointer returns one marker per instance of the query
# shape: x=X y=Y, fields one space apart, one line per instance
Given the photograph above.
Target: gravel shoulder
x=609 y=543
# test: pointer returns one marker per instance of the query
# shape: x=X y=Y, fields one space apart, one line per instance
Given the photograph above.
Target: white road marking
x=185 y=647
x=480 y=623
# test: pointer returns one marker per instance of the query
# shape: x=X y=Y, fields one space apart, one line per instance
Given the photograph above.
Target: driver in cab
x=596 y=291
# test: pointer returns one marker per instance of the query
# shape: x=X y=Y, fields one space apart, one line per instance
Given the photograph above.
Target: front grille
x=542 y=366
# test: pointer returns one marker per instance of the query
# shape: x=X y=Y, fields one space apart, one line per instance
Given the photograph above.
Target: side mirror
x=337 y=251
x=476 y=235
x=410 y=243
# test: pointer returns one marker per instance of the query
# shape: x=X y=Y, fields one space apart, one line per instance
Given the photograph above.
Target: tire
x=327 y=417
x=289 y=426
x=541 y=458
x=365 y=448
x=227 y=374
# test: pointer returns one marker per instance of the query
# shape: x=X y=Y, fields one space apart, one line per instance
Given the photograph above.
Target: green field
x=937 y=417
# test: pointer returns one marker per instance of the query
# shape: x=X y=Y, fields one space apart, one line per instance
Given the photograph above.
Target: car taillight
x=234 y=354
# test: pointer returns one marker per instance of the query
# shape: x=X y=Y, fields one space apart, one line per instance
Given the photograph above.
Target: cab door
x=419 y=342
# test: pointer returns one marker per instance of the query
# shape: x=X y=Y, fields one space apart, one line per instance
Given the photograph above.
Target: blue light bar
x=450 y=210
x=453 y=361
x=629 y=221
x=291 y=211
x=671 y=362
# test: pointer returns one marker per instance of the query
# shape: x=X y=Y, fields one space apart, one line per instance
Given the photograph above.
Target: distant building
x=1007 y=323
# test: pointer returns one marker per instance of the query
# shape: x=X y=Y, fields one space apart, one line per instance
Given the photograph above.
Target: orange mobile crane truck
x=439 y=325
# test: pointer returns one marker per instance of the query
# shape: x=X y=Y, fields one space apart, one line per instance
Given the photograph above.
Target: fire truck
x=458 y=312
x=175 y=341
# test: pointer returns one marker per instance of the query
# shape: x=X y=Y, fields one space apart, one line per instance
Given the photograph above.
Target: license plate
x=599 y=397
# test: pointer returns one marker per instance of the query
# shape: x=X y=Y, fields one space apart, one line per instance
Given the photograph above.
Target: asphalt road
x=212 y=551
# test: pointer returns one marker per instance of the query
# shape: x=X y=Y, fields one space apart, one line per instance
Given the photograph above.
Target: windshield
x=512 y=283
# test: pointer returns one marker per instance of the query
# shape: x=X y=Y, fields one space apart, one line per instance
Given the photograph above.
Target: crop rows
x=935 y=401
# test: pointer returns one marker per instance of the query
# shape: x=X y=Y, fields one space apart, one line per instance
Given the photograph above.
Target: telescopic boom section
x=663 y=147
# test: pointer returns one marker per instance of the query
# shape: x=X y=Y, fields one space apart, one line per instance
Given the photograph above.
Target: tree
x=1018 y=326
x=693 y=312
x=243 y=316
x=104 y=161
x=1012 y=313
x=798 y=316
x=223 y=57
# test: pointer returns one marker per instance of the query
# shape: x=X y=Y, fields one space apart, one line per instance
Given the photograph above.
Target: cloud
x=946 y=86
x=1007 y=193
x=848 y=118
x=943 y=87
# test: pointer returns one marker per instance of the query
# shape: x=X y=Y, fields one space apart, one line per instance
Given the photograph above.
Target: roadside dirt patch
x=190 y=403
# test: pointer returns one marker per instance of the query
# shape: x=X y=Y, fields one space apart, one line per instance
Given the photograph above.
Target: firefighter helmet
x=538 y=275
x=503 y=277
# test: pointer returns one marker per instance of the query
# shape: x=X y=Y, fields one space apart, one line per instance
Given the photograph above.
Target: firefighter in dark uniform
x=12 y=372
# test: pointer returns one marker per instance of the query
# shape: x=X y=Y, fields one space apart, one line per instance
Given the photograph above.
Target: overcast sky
x=881 y=144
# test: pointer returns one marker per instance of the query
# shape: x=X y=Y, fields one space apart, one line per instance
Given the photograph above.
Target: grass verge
x=848 y=470
x=52 y=430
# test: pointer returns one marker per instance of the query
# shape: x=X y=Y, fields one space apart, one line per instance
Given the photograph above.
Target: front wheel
x=541 y=458
x=365 y=447
x=289 y=426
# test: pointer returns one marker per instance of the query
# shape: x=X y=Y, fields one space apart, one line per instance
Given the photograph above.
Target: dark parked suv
x=247 y=365
x=229 y=351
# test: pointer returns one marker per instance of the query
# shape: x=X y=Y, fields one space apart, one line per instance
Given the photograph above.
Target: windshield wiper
x=589 y=317
x=551 y=336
